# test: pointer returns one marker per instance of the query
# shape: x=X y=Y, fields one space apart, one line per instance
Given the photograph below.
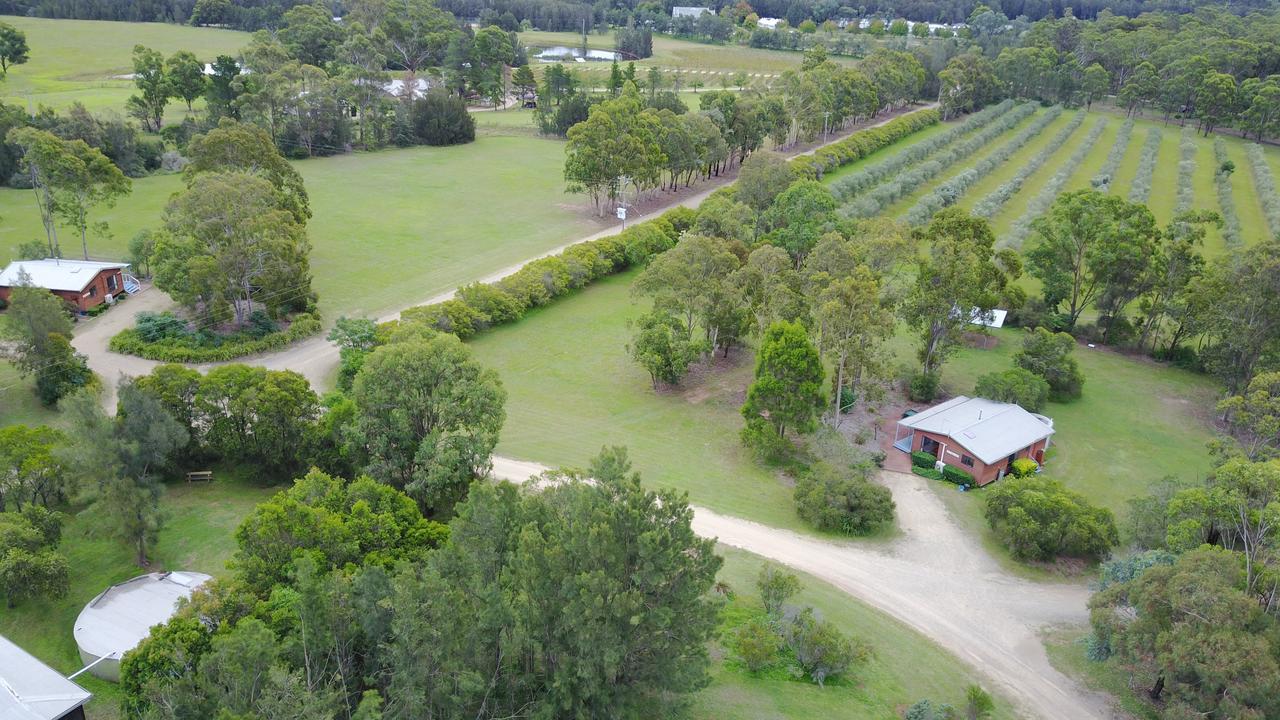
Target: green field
x=197 y=536
x=905 y=667
x=390 y=228
x=78 y=60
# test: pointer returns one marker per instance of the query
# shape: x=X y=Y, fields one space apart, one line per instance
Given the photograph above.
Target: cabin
x=979 y=436
x=31 y=690
x=82 y=283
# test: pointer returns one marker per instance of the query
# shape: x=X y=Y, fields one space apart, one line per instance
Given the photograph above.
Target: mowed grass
x=1005 y=172
x=198 y=535
x=885 y=152
x=390 y=228
x=18 y=402
x=669 y=52
x=905 y=667
x=77 y=60
x=572 y=389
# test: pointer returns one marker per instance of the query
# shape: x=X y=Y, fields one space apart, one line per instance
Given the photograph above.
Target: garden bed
x=166 y=338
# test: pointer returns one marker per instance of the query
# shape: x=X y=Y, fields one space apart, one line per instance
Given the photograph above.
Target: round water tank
x=120 y=617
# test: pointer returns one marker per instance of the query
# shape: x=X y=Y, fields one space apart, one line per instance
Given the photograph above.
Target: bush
x=922 y=459
x=206 y=347
x=821 y=649
x=927 y=472
x=1048 y=355
x=154 y=327
x=862 y=143
x=842 y=500
x=442 y=119
x=1053 y=187
x=1025 y=467
x=1015 y=385
x=955 y=475
x=923 y=387
x=756 y=644
x=1040 y=519
x=764 y=442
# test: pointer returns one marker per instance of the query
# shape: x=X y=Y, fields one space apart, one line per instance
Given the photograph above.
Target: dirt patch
x=981 y=341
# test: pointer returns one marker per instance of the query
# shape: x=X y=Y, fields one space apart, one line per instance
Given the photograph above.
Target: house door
x=929 y=445
x=1008 y=463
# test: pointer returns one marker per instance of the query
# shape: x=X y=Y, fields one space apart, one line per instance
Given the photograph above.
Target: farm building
x=979 y=436
x=680 y=11
x=31 y=690
x=82 y=283
x=121 y=616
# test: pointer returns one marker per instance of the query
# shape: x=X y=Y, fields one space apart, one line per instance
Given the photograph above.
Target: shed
x=121 y=616
x=680 y=11
x=83 y=283
x=979 y=436
x=31 y=690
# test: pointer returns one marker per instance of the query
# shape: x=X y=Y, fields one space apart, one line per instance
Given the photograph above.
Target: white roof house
x=56 y=274
x=120 y=617
x=689 y=11
x=31 y=690
x=768 y=23
x=990 y=430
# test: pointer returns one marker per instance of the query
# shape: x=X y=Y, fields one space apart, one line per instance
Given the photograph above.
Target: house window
x=93 y=291
x=966 y=461
x=929 y=445
x=111 y=283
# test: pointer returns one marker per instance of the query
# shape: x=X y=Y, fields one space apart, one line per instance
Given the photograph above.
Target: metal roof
x=988 y=429
x=120 y=617
x=31 y=690
x=56 y=274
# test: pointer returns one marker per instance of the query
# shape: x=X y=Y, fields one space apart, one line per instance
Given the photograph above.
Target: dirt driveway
x=939 y=581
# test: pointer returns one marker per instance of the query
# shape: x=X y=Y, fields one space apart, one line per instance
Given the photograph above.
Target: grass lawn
x=197 y=536
x=669 y=53
x=572 y=388
x=78 y=59
x=906 y=667
x=1067 y=653
x=390 y=227
x=1005 y=172
x=18 y=402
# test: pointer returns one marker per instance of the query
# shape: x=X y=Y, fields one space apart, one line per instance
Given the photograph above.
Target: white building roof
x=990 y=430
x=688 y=11
x=56 y=274
x=115 y=621
x=768 y=23
x=993 y=318
x=31 y=690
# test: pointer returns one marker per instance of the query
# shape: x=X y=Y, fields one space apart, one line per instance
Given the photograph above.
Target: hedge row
x=130 y=342
x=951 y=191
x=1140 y=190
x=1107 y=173
x=480 y=306
x=847 y=187
x=1041 y=202
x=1226 y=196
x=1265 y=183
x=862 y=143
x=1186 y=169
x=922 y=459
x=885 y=194
x=988 y=206
x=926 y=472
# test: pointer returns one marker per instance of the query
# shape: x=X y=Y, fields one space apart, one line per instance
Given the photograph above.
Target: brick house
x=979 y=436
x=83 y=283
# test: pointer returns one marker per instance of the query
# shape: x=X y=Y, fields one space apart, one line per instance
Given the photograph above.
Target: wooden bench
x=200 y=476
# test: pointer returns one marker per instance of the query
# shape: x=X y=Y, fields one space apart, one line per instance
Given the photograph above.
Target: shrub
x=154 y=327
x=989 y=205
x=206 y=347
x=1048 y=355
x=1226 y=196
x=1015 y=385
x=1140 y=188
x=955 y=475
x=927 y=473
x=922 y=459
x=442 y=119
x=1040 y=519
x=1186 y=169
x=1051 y=189
x=842 y=500
x=1265 y=183
x=776 y=587
x=1102 y=180
x=756 y=644
x=862 y=143
x=923 y=387
x=764 y=442
x=1025 y=467
x=821 y=650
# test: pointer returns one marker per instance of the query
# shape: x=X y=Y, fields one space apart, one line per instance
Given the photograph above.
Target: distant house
x=31 y=690
x=982 y=437
x=82 y=283
x=680 y=11
x=769 y=23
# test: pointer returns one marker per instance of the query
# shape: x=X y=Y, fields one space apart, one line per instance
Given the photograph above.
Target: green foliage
x=821 y=650
x=442 y=119
x=928 y=472
x=34 y=471
x=663 y=348
x=30 y=565
x=788 y=380
x=756 y=644
x=842 y=499
x=1048 y=355
x=1049 y=192
x=1025 y=467
x=174 y=343
x=923 y=386
x=1254 y=416
x=922 y=459
x=764 y=442
x=1015 y=385
x=953 y=474
x=861 y=144
x=776 y=586
x=1040 y=519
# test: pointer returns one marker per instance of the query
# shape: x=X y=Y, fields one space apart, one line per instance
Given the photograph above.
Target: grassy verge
x=1067 y=653
x=18 y=401
x=198 y=535
x=906 y=666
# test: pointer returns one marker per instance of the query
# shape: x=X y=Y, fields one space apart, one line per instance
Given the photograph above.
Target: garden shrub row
x=1041 y=202
x=1226 y=196
x=955 y=475
x=847 y=187
x=988 y=206
x=1265 y=183
x=926 y=472
x=1140 y=190
x=1186 y=169
x=184 y=349
x=862 y=143
x=949 y=192
x=919 y=458
x=1107 y=173
x=480 y=306
x=887 y=193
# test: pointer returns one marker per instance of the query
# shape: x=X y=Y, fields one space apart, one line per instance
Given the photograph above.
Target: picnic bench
x=200 y=476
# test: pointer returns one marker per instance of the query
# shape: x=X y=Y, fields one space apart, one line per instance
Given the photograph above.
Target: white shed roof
x=988 y=429
x=120 y=617
x=689 y=11
x=31 y=690
x=56 y=274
